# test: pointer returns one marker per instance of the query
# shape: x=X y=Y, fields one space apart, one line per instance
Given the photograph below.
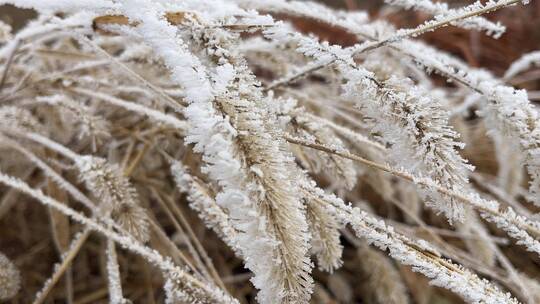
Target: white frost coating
x=36 y=28
x=162 y=36
x=450 y=276
x=63 y=5
x=109 y=184
x=310 y=10
x=507 y=110
x=75 y=242
x=178 y=276
x=453 y=16
x=113 y=272
x=441 y=8
x=421 y=140
x=391 y=37
x=524 y=63
x=64 y=184
x=213 y=136
x=213 y=216
x=131 y=106
x=410 y=119
x=517 y=226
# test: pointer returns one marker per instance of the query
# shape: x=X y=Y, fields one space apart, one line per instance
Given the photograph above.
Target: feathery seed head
x=18 y=119
x=10 y=278
x=115 y=190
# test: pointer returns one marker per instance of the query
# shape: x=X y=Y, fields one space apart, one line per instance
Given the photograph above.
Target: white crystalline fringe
x=451 y=276
x=325 y=232
x=213 y=136
x=507 y=111
x=517 y=117
x=515 y=225
x=407 y=116
x=272 y=182
x=309 y=9
x=455 y=16
x=441 y=8
x=213 y=215
x=416 y=126
x=522 y=64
